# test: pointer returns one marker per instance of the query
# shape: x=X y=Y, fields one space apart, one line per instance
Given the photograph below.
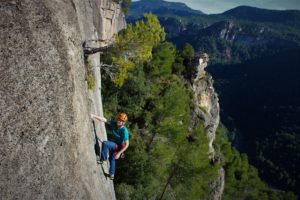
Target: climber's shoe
x=111 y=176
x=98 y=159
x=102 y=162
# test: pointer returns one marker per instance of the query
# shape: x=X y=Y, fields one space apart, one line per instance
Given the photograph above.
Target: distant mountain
x=237 y=35
x=160 y=7
x=235 y=41
x=264 y=15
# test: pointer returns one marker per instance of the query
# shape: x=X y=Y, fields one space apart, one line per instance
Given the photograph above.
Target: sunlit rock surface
x=46 y=136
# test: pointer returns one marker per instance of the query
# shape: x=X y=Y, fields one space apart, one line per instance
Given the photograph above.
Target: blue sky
x=218 y=6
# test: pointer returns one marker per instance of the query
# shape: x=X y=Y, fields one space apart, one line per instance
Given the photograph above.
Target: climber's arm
x=123 y=149
x=102 y=119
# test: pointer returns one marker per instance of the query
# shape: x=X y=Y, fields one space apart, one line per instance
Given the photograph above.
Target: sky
x=219 y=6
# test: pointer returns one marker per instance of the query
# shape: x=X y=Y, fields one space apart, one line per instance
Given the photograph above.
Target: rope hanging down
x=94 y=126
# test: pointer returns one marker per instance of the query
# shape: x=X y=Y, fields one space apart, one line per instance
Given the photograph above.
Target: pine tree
x=133 y=45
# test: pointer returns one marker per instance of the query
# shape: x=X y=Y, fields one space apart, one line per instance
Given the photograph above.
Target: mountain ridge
x=251 y=30
x=264 y=15
x=159 y=7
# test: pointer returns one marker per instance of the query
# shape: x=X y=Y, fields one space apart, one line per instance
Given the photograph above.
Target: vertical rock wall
x=46 y=137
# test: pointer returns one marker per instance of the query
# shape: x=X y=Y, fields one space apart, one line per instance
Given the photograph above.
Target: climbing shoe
x=111 y=177
x=102 y=162
x=98 y=159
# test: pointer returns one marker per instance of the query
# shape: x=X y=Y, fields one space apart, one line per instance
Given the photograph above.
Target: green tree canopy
x=188 y=51
x=134 y=45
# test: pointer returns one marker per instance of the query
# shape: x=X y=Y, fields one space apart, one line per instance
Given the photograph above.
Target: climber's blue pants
x=108 y=148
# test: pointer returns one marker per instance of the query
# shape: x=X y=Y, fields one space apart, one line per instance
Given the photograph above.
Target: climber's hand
x=117 y=156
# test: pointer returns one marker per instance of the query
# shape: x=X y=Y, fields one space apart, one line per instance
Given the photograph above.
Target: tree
x=163 y=59
x=188 y=51
x=133 y=45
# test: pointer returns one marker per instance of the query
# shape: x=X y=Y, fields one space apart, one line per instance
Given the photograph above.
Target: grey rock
x=207 y=102
x=46 y=137
x=208 y=109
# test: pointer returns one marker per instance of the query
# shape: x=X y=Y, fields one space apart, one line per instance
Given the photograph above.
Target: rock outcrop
x=207 y=102
x=207 y=108
x=46 y=136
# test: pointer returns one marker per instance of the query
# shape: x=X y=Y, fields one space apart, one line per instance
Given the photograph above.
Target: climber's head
x=122 y=119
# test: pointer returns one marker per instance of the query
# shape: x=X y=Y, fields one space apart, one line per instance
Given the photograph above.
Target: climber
x=120 y=141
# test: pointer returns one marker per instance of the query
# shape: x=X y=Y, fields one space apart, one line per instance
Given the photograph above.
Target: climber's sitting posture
x=120 y=141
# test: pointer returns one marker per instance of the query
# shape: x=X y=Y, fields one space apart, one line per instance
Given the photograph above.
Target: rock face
x=207 y=108
x=224 y=30
x=46 y=137
x=207 y=101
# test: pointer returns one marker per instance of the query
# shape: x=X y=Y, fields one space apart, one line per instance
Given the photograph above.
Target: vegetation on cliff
x=268 y=92
x=260 y=96
x=242 y=180
x=133 y=46
x=160 y=162
x=125 y=4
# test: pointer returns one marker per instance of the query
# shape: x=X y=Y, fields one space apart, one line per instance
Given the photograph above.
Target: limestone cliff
x=207 y=109
x=46 y=137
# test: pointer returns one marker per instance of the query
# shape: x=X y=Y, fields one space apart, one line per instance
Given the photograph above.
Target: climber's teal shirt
x=120 y=135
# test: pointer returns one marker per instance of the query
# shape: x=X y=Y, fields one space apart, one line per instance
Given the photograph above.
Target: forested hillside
x=268 y=92
x=258 y=97
x=161 y=163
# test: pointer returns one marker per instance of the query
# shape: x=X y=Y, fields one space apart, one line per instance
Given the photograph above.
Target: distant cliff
x=240 y=34
x=46 y=137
